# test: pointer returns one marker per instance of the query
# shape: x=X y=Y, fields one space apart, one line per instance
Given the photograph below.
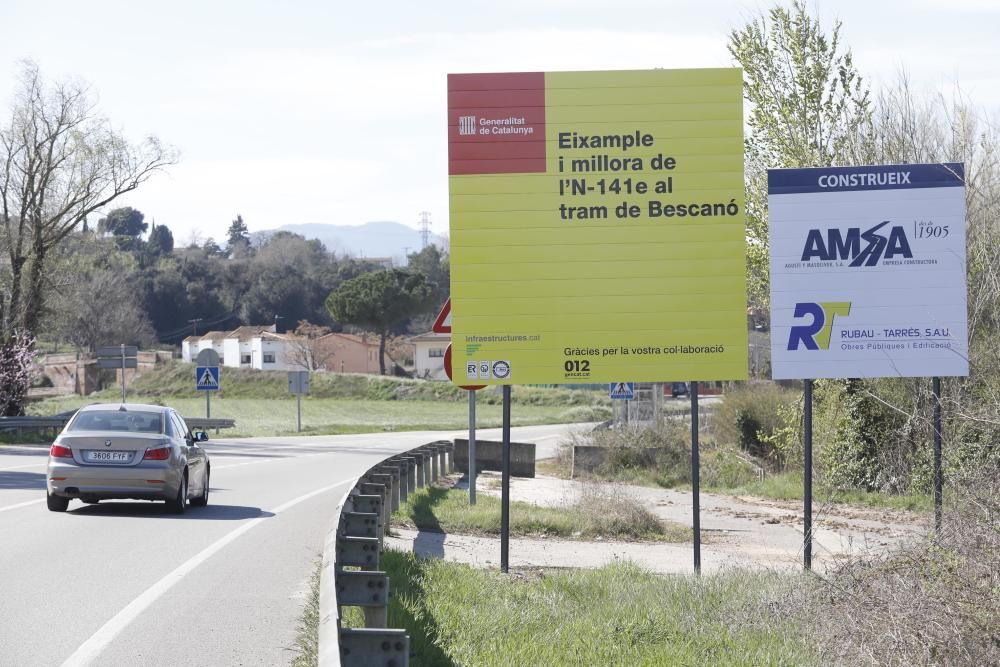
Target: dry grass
x=934 y=603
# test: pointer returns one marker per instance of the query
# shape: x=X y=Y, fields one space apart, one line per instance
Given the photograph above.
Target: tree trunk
x=381 y=352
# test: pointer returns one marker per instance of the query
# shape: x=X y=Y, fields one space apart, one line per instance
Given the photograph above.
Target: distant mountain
x=372 y=239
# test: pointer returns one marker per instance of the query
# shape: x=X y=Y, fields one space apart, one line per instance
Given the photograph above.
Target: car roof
x=124 y=407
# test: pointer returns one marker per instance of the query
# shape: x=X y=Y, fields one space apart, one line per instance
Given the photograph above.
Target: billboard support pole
x=938 y=482
x=472 y=448
x=505 y=485
x=807 y=475
x=695 y=478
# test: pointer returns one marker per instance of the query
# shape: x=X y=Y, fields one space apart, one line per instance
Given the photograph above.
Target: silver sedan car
x=144 y=452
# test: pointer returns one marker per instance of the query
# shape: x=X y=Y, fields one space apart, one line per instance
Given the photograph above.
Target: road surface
x=125 y=583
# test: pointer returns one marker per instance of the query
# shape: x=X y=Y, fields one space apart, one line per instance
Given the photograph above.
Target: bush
x=935 y=602
x=752 y=417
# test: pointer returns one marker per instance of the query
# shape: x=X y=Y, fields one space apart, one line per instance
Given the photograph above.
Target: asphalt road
x=125 y=583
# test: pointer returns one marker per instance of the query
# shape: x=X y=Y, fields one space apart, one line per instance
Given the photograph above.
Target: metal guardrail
x=20 y=425
x=54 y=424
x=205 y=423
x=361 y=520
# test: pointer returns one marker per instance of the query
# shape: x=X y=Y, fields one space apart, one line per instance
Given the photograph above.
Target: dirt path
x=737 y=532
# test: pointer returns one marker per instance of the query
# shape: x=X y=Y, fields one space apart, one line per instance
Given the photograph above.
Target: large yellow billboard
x=597 y=226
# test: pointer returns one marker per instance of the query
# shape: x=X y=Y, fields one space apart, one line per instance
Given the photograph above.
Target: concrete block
x=489 y=456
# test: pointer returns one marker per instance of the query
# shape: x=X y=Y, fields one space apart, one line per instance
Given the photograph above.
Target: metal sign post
x=472 y=448
x=505 y=485
x=298 y=384
x=938 y=477
x=807 y=475
x=695 y=478
x=118 y=357
x=207 y=377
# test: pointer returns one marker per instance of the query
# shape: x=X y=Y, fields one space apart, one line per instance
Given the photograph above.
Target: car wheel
x=202 y=500
x=178 y=504
x=56 y=503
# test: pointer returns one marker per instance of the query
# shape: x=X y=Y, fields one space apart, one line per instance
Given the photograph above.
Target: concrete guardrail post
x=368 y=590
x=419 y=461
x=400 y=467
x=363 y=647
x=394 y=490
x=432 y=453
x=370 y=488
x=442 y=451
x=411 y=473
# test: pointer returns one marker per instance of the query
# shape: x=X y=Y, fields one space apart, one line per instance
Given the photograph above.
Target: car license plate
x=100 y=456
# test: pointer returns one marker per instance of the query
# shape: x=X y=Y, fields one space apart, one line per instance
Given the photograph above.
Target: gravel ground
x=736 y=532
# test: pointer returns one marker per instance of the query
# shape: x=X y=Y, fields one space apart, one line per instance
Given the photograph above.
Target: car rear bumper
x=106 y=482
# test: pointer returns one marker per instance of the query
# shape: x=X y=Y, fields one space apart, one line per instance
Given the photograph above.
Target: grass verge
x=596 y=513
x=617 y=615
x=789 y=486
x=306 y=646
x=332 y=416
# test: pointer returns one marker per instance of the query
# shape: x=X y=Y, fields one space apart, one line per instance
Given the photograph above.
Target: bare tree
x=101 y=308
x=59 y=162
x=311 y=348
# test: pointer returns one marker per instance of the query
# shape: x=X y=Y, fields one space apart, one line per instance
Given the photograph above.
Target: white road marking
x=19 y=505
x=27 y=465
x=92 y=648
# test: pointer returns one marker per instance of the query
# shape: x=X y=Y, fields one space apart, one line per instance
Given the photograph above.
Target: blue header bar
x=882 y=177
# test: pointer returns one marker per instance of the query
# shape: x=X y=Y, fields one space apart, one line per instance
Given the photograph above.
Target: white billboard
x=868 y=271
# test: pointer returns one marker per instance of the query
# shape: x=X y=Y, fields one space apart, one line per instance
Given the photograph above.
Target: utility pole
x=194 y=325
x=425 y=228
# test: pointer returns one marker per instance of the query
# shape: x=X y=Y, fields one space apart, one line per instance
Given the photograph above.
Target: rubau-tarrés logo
x=848 y=246
x=816 y=335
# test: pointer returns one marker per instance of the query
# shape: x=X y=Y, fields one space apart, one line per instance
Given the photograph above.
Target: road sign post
x=206 y=377
x=118 y=356
x=298 y=384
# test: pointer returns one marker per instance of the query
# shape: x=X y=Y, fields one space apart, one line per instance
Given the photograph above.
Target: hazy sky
x=308 y=111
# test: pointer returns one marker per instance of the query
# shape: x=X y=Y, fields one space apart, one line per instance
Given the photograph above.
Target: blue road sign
x=622 y=391
x=206 y=378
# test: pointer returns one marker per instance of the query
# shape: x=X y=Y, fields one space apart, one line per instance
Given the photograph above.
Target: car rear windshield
x=116 y=420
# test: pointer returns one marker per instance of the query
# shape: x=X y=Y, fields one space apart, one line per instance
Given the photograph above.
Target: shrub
x=751 y=416
x=935 y=602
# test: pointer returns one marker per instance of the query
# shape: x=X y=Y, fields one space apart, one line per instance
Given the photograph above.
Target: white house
x=213 y=340
x=428 y=355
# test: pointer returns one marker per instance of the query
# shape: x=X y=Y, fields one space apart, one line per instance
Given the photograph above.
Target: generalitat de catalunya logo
x=816 y=335
x=848 y=246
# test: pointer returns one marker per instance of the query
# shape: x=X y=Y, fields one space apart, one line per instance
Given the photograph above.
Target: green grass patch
x=326 y=416
x=306 y=646
x=594 y=514
x=177 y=380
x=617 y=615
x=789 y=486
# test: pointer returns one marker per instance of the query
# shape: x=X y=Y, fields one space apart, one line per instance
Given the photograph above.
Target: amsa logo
x=848 y=246
x=816 y=334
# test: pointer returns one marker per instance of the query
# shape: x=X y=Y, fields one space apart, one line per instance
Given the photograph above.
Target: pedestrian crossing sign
x=206 y=378
x=622 y=391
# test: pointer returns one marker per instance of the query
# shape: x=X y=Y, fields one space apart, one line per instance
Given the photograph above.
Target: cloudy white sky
x=320 y=111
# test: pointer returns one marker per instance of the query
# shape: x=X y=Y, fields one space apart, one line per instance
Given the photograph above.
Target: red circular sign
x=447 y=370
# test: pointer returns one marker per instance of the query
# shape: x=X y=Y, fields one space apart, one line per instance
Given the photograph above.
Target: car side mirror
x=201 y=436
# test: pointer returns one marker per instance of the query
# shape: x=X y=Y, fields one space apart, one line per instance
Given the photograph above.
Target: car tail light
x=157 y=454
x=59 y=452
